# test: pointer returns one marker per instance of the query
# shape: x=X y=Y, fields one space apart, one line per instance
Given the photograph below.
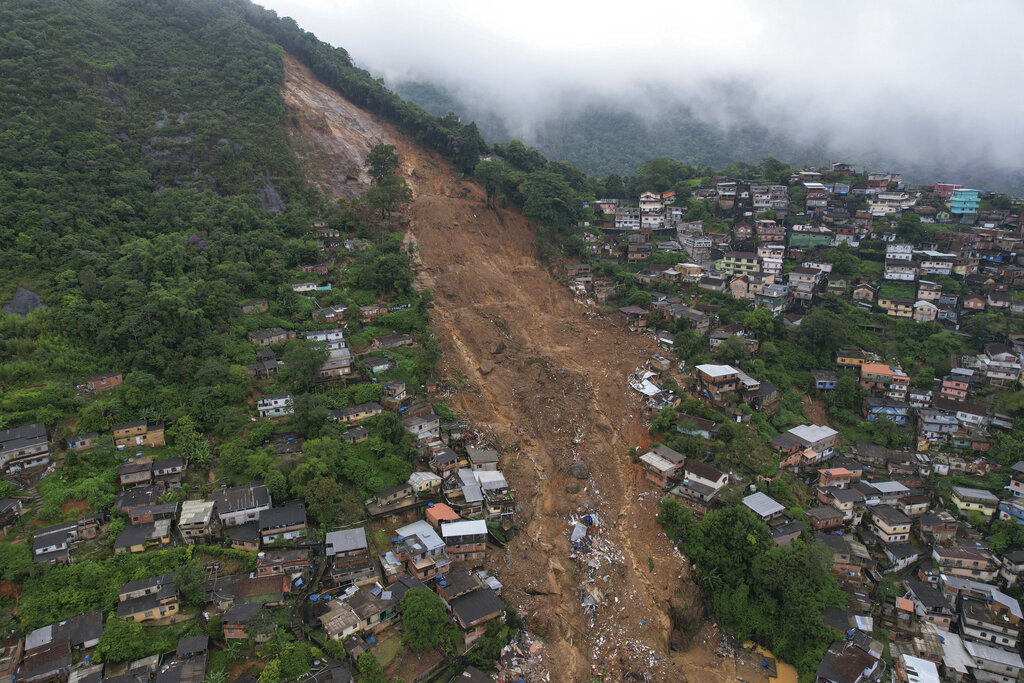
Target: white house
x=275 y=405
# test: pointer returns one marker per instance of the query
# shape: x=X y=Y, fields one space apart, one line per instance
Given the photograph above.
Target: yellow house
x=849 y=358
x=147 y=599
x=897 y=307
x=139 y=433
x=974 y=500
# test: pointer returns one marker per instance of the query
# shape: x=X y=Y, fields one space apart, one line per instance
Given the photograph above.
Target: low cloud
x=919 y=81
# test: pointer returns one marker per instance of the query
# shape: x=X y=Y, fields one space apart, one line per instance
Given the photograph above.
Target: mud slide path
x=548 y=382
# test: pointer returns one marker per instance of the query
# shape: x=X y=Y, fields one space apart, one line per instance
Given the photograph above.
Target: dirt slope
x=555 y=391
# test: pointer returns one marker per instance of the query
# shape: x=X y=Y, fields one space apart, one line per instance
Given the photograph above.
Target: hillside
x=161 y=166
x=548 y=382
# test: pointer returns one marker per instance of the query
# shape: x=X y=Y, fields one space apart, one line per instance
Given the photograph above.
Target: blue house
x=896 y=411
x=1012 y=509
x=824 y=380
x=964 y=201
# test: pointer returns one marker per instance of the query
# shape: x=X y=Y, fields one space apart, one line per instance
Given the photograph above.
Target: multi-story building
x=964 y=200
x=969 y=500
x=349 y=558
x=802 y=282
x=889 y=524
x=196 y=520
x=967 y=562
x=717 y=380
x=737 y=263
x=275 y=405
x=139 y=433
x=241 y=504
x=904 y=271
x=465 y=540
x=23 y=448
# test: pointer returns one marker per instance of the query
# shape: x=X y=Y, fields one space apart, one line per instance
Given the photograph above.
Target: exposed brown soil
x=815 y=411
x=74 y=505
x=556 y=391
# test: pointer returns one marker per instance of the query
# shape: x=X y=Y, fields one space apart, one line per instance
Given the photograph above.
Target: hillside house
x=388 y=342
x=348 y=557
x=23 y=448
x=737 y=263
x=473 y=611
x=83 y=442
x=139 y=433
x=824 y=380
x=357 y=413
x=241 y=504
x=717 y=380
x=891 y=409
x=661 y=464
x=421 y=549
x=330 y=314
x=423 y=427
x=889 y=524
x=286 y=523
x=465 y=541
x=196 y=522
x=105 y=382
x=275 y=405
x=338 y=364
x=148 y=599
x=969 y=500
x=635 y=317
x=137 y=538
x=331 y=339
x=269 y=336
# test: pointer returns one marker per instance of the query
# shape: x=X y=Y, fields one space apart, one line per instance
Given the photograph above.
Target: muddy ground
x=546 y=378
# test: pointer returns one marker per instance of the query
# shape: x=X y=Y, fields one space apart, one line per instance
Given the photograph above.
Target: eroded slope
x=548 y=380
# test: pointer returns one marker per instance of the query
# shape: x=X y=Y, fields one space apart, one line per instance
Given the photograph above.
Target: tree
x=370 y=670
x=322 y=496
x=381 y=161
x=271 y=672
x=302 y=361
x=424 y=619
x=191 y=583
x=192 y=446
x=387 y=195
x=308 y=416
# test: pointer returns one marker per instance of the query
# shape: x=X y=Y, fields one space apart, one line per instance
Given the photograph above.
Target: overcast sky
x=923 y=77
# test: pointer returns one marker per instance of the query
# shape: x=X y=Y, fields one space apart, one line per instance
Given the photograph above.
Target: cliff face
x=547 y=380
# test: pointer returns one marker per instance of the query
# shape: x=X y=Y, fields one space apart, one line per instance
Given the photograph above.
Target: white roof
x=812 y=433
x=196 y=511
x=762 y=505
x=41 y=636
x=993 y=654
x=464 y=528
x=424 y=532
x=717 y=370
x=490 y=479
x=920 y=670
x=656 y=461
x=889 y=487
x=421 y=478
x=954 y=656
x=959 y=583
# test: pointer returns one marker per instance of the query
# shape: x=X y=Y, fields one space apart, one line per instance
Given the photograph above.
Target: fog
x=922 y=82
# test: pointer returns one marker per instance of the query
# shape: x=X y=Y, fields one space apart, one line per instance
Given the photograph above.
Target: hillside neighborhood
x=267 y=552
x=910 y=482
